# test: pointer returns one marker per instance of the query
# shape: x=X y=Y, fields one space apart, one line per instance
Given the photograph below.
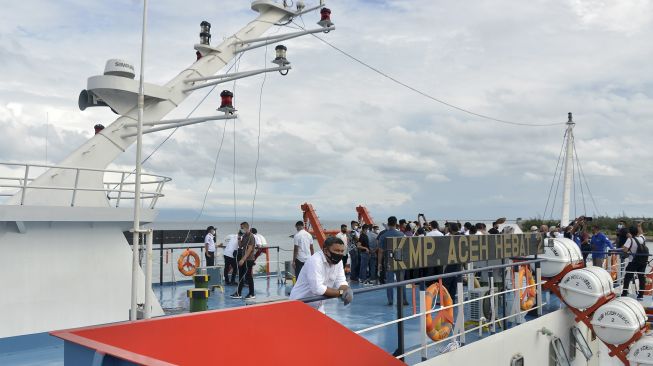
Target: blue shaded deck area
x=368 y=309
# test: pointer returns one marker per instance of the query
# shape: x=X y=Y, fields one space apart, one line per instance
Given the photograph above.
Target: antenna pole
x=47 y=125
x=564 y=221
x=137 y=184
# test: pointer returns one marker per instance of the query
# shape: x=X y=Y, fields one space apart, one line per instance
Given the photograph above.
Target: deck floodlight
x=300 y=5
x=227 y=104
x=205 y=33
x=325 y=18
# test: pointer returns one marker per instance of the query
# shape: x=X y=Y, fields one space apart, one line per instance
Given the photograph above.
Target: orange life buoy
x=614 y=266
x=527 y=295
x=439 y=328
x=185 y=265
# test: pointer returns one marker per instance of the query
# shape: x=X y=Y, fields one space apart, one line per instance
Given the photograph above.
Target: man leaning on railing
x=323 y=275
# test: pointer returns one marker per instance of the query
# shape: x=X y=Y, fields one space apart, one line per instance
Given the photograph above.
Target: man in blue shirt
x=600 y=243
x=391 y=232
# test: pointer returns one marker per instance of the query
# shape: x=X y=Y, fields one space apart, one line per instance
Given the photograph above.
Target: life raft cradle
x=585 y=316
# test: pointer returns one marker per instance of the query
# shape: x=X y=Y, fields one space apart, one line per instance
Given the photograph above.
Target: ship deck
x=368 y=309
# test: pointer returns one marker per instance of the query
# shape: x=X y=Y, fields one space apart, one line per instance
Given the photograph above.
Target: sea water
x=277 y=233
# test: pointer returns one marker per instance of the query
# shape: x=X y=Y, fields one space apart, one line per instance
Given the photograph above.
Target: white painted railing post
x=22 y=195
x=122 y=180
x=149 y=237
x=538 y=280
x=422 y=323
x=493 y=316
x=516 y=285
x=72 y=202
x=460 y=319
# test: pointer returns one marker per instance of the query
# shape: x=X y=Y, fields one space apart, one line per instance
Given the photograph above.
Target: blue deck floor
x=367 y=310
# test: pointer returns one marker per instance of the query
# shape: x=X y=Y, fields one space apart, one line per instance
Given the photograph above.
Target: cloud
x=333 y=132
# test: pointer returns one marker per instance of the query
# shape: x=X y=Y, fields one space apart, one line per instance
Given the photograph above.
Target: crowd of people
x=240 y=253
x=357 y=251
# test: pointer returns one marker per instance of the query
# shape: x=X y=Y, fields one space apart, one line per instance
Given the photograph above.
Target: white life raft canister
x=618 y=320
x=582 y=288
x=563 y=252
x=641 y=353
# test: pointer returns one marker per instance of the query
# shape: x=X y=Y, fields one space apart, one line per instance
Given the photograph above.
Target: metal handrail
x=111 y=193
x=460 y=303
x=424 y=279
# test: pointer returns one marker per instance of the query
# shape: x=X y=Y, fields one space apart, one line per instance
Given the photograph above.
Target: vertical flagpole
x=137 y=185
x=564 y=221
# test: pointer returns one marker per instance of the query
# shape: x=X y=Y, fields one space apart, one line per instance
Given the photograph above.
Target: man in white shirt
x=209 y=246
x=342 y=235
x=435 y=229
x=635 y=265
x=324 y=276
x=230 y=246
x=260 y=239
x=303 y=248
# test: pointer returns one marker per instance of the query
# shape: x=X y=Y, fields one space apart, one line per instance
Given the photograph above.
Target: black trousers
x=298 y=267
x=634 y=267
x=210 y=258
x=230 y=263
x=246 y=275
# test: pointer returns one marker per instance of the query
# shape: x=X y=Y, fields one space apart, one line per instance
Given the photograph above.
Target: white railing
x=514 y=314
x=17 y=179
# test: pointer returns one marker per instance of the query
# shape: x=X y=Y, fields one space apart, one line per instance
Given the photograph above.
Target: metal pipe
x=161 y=261
x=422 y=323
x=423 y=279
x=168 y=127
x=148 y=273
x=22 y=195
x=285 y=37
x=400 y=314
x=180 y=120
x=232 y=78
x=72 y=202
x=137 y=189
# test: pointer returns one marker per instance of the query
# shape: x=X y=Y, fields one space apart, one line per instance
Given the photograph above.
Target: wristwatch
x=340 y=292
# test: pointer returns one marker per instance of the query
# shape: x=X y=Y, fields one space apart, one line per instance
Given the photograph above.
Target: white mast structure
x=569 y=156
x=62 y=222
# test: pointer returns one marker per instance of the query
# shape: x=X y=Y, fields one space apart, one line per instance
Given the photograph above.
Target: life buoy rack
x=185 y=265
x=527 y=296
x=614 y=266
x=440 y=326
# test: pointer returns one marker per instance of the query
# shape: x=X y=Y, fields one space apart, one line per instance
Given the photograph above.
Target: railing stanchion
x=516 y=285
x=122 y=181
x=400 y=314
x=504 y=296
x=538 y=279
x=22 y=194
x=278 y=267
x=422 y=323
x=72 y=202
x=161 y=261
x=493 y=315
x=460 y=319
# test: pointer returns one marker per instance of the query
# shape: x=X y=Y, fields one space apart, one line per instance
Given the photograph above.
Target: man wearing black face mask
x=323 y=275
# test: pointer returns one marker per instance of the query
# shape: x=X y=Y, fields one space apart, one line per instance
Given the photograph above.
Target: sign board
x=430 y=251
x=173 y=236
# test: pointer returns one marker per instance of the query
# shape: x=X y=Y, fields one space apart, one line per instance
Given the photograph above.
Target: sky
x=337 y=134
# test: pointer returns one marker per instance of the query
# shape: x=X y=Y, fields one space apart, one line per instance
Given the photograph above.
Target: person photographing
x=323 y=275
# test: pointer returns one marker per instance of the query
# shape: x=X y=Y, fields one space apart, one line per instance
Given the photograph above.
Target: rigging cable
x=580 y=180
x=558 y=185
x=426 y=95
x=555 y=173
x=586 y=184
x=234 y=165
x=258 y=137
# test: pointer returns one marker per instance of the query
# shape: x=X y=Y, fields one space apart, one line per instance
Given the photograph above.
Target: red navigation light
x=198 y=54
x=325 y=18
x=98 y=128
x=226 y=103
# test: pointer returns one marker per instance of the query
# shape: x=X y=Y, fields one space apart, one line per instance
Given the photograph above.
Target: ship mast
x=566 y=194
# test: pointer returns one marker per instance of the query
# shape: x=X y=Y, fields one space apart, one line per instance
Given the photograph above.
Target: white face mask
x=620 y=226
